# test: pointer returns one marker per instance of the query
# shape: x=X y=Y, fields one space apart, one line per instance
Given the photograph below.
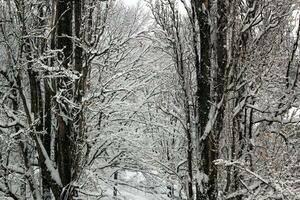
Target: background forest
x=165 y=99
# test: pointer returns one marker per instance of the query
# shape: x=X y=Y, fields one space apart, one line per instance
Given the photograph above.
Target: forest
x=149 y=100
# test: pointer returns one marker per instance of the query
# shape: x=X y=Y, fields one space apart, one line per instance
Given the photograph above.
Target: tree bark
x=201 y=9
x=64 y=42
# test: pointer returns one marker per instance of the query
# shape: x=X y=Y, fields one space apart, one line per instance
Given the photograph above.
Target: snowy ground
x=131 y=193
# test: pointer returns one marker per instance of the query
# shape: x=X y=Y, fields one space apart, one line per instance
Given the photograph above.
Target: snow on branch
x=212 y=116
x=274 y=184
x=54 y=172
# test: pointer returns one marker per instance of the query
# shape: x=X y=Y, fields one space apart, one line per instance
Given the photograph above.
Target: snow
x=132 y=191
x=201 y=178
x=126 y=193
x=54 y=172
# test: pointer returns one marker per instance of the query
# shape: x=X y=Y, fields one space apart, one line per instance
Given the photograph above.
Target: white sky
x=131 y=2
x=135 y=2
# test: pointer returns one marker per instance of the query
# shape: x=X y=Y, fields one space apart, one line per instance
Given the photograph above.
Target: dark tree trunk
x=64 y=137
x=210 y=88
x=79 y=89
x=115 y=193
x=201 y=9
x=70 y=130
x=219 y=87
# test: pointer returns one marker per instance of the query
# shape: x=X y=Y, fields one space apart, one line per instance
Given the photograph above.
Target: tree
x=195 y=100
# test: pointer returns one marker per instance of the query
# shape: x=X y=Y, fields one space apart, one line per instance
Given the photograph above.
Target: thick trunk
x=210 y=88
x=218 y=85
x=79 y=88
x=201 y=9
x=36 y=102
x=64 y=133
x=70 y=129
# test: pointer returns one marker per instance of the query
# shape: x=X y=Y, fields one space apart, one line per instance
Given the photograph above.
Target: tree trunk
x=201 y=9
x=64 y=133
